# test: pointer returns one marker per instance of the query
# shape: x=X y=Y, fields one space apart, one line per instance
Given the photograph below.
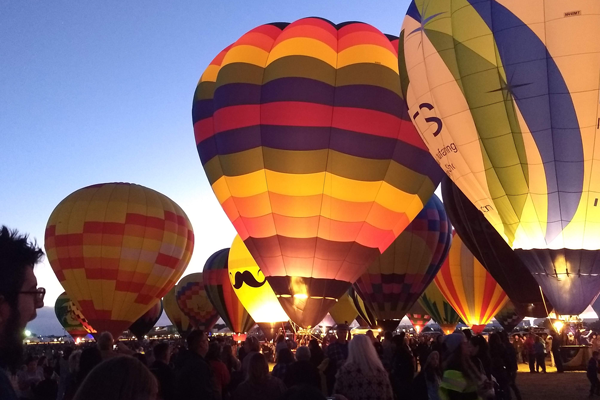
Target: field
x=552 y=386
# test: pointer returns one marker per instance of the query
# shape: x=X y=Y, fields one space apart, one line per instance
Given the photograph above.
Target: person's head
x=258 y=368
x=478 y=346
x=227 y=351
x=162 y=352
x=285 y=356
x=388 y=335
x=42 y=361
x=455 y=345
x=197 y=342
x=313 y=345
x=119 y=378
x=141 y=357
x=433 y=360
x=280 y=339
x=251 y=344
x=90 y=357
x=67 y=353
x=303 y=353
x=48 y=372
x=362 y=352
x=494 y=340
x=74 y=360
x=214 y=351
x=537 y=339
x=105 y=341
x=19 y=295
x=31 y=363
x=342 y=333
x=595 y=354
x=370 y=335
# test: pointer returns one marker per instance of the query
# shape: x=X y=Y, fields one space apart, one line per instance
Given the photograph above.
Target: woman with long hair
x=363 y=377
x=220 y=372
x=119 y=378
x=259 y=385
x=427 y=383
x=284 y=359
x=461 y=378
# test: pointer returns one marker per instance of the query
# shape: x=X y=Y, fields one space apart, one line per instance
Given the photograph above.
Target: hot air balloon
x=222 y=295
x=344 y=312
x=469 y=288
x=365 y=315
x=505 y=94
x=396 y=279
x=147 y=321
x=491 y=250
x=253 y=290
x=193 y=301
x=71 y=318
x=418 y=317
x=510 y=316
x=303 y=135
x=117 y=248
x=176 y=316
x=435 y=304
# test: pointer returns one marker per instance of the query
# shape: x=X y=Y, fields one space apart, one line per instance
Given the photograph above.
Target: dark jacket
x=166 y=380
x=194 y=378
x=6 y=390
x=592 y=369
x=271 y=389
x=302 y=373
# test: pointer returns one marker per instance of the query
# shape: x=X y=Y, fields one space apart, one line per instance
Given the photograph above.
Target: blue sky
x=101 y=91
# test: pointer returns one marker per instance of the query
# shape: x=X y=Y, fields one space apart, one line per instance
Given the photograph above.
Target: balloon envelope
x=147 y=321
x=194 y=303
x=435 y=304
x=303 y=134
x=418 y=317
x=396 y=279
x=251 y=287
x=117 y=248
x=364 y=313
x=222 y=295
x=469 y=288
x=176 y=316
x=505 y=94
x=510 y=316
x=71 y=318
x=492 y=251
x=344 y=312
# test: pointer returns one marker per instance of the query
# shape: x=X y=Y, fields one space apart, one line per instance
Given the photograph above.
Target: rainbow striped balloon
x=469 y=288
x=221 y=294
x=304 y=136
x=117 y=248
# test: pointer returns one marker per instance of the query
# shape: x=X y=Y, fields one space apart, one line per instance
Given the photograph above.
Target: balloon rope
x=544 y=300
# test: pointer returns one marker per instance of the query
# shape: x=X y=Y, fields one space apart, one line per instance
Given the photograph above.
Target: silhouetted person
x=163 y=372
x=194 y=378
x=48 y=388
x=592 y=374
x=19 y=299
x=302 y=372
x=259 y=385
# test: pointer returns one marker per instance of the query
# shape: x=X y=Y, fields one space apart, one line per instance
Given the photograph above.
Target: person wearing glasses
x=20 y=297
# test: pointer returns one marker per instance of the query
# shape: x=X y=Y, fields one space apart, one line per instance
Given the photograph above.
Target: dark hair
x=214 y=352
x=303 y=392
x=258 y=368
x=48 y=370
x=16 y=254
x=193 y=339
x=285 y=356
x=118 y=378
x=253 y=343
x=141 y=358
x=161 y=350
x=90 y=357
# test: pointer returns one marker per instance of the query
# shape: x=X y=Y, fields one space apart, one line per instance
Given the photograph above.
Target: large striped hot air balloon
x=117 y=248
x=418 y=317
x=147 y=321
x=396 y=279
x=505 y=94
x=193 y=301
x=469 y=288
x=344 y=311
x=71 y=318
x=493 y=252
x=176 y=316
x=222 y=295
x=434 y=302
x=252 y=288
x=302 y=132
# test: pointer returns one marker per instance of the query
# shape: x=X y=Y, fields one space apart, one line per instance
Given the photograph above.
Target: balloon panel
x=363 y=310
x=396 y=279
x=117 y=248
x=435 y=304
x=251 y=287
x=418 y=316
x=344 y=312
x=505 y=95
x=509 y=316
x=468 y=287
x=194 y=303
x=303 y=134
x=221 y=293
x=147 y=321
x=176 y=316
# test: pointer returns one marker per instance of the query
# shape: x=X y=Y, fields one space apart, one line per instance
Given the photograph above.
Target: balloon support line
x=544 y=300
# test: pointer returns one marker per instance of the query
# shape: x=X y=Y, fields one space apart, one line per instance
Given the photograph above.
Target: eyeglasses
x=39 y=294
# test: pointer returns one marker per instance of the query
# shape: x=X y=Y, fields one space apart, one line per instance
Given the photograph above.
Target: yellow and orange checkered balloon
x=117 y=248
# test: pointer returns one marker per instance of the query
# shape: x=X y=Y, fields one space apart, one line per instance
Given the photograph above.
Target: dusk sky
x=101 y=91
